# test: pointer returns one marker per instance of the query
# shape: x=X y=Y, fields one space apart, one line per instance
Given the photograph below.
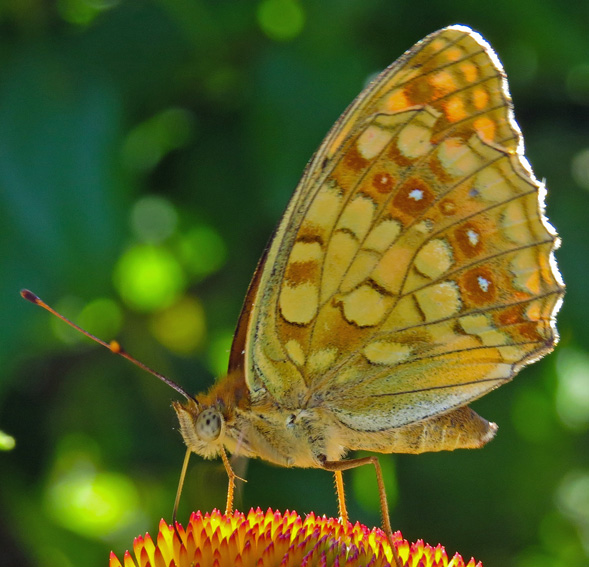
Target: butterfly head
x=202 y=427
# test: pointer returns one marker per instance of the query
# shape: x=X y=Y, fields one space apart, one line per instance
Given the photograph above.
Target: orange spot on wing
x=454 y=53
x=469 y=239
x=513 y=320
x=448 y=207
x=443 y=82
x=397 y=101
x=480 y=97
x=479 y=286
x=486 y=128
x=469 y=70
x=413 y=197
x=455 y=109
x=383 y=182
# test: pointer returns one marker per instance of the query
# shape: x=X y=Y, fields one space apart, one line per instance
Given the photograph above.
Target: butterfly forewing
x=412 y=271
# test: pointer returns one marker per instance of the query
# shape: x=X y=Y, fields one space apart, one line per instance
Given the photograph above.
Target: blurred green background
x=147 y=149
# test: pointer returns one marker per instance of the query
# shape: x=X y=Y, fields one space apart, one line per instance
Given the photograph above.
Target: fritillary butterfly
x=412 y=273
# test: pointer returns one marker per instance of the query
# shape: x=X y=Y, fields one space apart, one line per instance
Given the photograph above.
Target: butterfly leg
x=232 y=477
x=231 y=487
x=338 y=466
x=341 y=496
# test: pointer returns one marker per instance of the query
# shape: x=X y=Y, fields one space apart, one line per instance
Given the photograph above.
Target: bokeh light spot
x=202 y=251
x=7 y=442
x=219 y=350
x=573 y=501
x=281 y=20
x=532 y=557
x=153 y=219
x=148 y=278
x=222 y=83
x=101 y=317
x=70 y=307
x=364 y=483
x=92 y=503
x=558 y=539
x=84 y=499
x=572 y=393
x=154 y=138
x=83 y=12
x=181 y=327
x=580 y=168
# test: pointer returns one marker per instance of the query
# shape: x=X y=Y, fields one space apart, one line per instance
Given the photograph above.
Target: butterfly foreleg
x=231 y=485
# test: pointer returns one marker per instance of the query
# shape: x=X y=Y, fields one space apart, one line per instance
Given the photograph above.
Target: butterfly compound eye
x=208 y=424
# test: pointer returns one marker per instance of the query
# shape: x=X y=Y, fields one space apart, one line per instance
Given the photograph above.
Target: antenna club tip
x=29 y=296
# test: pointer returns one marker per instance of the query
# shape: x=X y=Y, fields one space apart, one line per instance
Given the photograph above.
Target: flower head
x=274 y=539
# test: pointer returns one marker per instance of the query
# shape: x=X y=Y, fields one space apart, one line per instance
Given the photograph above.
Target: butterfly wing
x=412 y=271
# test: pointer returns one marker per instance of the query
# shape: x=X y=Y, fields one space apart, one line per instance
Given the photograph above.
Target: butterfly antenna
x=113 y=346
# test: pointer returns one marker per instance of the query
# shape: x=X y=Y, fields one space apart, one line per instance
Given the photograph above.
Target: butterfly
x=412 y=273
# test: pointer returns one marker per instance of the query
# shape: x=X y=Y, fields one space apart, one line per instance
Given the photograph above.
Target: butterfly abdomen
x=461 y=428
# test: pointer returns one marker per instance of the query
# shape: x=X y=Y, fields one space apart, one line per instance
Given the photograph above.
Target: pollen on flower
x=265 y=539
